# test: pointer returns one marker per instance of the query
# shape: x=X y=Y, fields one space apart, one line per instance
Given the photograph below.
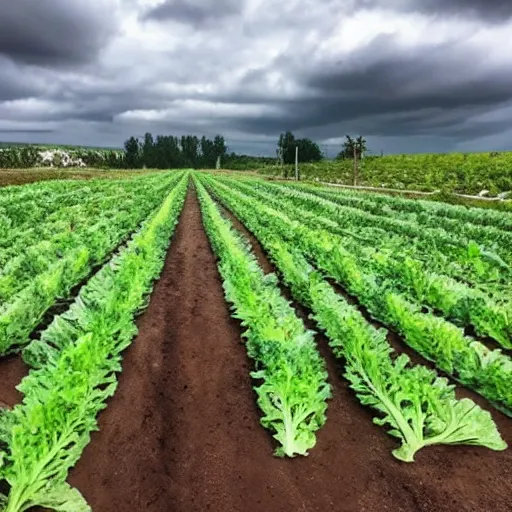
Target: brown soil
x=25 y=176
x=182 y=432
x=12 y=371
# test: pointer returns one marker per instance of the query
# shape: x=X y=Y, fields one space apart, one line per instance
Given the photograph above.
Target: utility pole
x=297 y=177
x=280 y=160
x=356 y=168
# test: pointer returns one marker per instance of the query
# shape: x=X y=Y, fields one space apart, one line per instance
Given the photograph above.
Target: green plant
x=292 y=384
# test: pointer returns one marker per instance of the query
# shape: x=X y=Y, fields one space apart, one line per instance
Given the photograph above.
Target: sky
x=409 y=75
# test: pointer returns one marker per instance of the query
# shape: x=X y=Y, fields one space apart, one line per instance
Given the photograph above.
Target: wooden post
x=280 y=161
x=297 y=177
x=356 y=168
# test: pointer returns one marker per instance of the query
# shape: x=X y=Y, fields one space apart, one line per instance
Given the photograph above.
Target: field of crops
x=25 y=176
x=469 y=173
x=198 y=341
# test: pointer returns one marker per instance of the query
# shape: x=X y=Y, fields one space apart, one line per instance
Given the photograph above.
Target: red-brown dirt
x=182 y=432
x=25 y=176
x=12 y=371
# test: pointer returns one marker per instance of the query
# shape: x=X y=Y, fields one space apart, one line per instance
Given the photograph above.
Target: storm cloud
x=193 y=12
x=483 y=9
x=409 y=75
x=54 y=32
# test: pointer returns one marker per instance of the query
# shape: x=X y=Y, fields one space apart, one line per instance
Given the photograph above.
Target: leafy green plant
x=465 y=359
x=455 y=172
x=421 y=280
x=292 y=384
x=32 y=282
x=77 y=361
x=416 y=405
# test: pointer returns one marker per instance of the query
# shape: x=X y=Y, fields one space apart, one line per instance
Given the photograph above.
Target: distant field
x=462 y=173
x=25 y=176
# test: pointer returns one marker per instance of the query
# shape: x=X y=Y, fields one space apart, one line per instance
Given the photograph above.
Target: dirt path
x=182 y=432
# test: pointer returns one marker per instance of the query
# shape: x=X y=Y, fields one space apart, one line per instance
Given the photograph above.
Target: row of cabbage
x=487 y=371
x=25 y=210
x=494 y=243
x=422 y=211
x=466 y=359
x=463 y=281
x=74 y=366
x=491 y=231
x=414 y=403
x=56 y=238
x=291 y=379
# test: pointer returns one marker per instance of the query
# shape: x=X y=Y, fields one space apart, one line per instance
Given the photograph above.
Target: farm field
x=25 y=176
x=198 y=341
x=464 y=173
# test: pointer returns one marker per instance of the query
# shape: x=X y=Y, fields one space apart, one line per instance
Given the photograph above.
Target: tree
x=132 y=153
x=172 y=152
x=309 y=151
x=286 y=147
x=190 y=150
x=350 y=144
x=148 y=151
x=219 y=147
x=168 y=153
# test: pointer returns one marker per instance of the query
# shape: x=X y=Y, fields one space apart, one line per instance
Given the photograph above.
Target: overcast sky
x=410 y=75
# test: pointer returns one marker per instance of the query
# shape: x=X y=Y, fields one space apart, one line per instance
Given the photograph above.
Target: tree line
x=190 y=151
x=309 y=151
x=172 y=152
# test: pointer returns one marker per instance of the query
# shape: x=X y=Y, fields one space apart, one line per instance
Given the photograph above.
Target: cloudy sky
x=410 y=75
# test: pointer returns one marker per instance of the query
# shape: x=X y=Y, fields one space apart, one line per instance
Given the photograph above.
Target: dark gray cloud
x=382 y=78
x=17 y=83
x=194 y=12
x=27 y=130
x=494 y=10
x=382 y=88
x=54 y=32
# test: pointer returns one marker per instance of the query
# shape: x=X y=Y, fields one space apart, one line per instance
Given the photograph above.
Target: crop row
x=488 y=235
x=291 y=378
x=416 y=405
x=467 y=360
x=32 y=221
x=26 y=220
x=31 y=282
x=49 y=234
x=413 y=277
x=74 y=370
x=493 y=257
x=421 y=211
